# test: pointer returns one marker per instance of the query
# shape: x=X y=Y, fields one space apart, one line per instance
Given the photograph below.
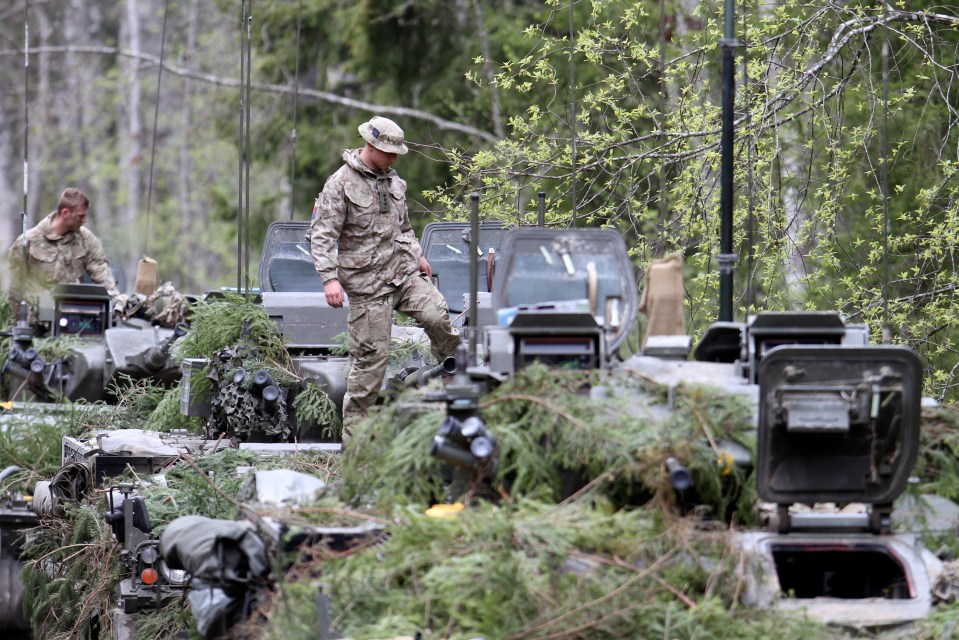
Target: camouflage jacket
x=361 y=232
x=52 y=259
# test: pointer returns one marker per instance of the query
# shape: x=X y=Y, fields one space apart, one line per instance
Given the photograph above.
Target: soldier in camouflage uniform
x=363 y=244
x=58 y=250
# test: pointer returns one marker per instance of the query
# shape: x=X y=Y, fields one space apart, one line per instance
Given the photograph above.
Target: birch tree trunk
x=8 y=198
x=41 y=126
x=128 y=216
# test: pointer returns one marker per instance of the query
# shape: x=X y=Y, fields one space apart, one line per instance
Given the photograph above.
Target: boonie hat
x=384 y=134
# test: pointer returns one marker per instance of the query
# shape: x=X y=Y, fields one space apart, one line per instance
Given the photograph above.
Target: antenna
x=884 y=175
x=662 y=123
x=156 y=114
x=246 y=235
x=474 y=273
x=296 y=94
x=241 y=155
x=26 y=121
x=572 y=106
x=26 y=163
x=751 y=191
x=726 y=257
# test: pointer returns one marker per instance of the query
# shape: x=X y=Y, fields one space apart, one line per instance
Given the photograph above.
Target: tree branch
x=209 y=78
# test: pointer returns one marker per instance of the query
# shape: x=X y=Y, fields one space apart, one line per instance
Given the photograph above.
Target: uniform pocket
x=354 y=270
x=361 y=206
x=43 y=252
x=398 y=196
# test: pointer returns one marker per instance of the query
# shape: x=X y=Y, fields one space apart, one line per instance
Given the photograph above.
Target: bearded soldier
x=363 y=245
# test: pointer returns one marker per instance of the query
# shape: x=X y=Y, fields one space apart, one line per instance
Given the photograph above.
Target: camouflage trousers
x=369 y=328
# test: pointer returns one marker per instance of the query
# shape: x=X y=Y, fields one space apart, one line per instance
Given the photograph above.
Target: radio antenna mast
x=22 y=311
x=246 y=186
x=296 y=93
x=156 y=115
x=572 y=107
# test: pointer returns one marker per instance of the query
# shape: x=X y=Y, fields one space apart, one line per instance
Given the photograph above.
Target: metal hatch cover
x=837 y=424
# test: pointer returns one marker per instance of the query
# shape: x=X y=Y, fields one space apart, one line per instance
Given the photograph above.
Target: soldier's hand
x=334 y=293
x=426 y=268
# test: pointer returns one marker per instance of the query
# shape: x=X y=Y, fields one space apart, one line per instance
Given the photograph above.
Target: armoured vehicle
x=101 y=352
x=837 y=423
x=836 y=418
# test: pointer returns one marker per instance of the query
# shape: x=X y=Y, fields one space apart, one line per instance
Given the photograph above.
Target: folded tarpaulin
x=222 y=552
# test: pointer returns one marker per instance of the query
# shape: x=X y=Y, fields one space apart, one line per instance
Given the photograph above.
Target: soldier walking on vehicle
x=58 y=250
x=363 y=243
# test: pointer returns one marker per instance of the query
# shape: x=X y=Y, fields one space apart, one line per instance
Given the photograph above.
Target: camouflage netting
x=586 y=540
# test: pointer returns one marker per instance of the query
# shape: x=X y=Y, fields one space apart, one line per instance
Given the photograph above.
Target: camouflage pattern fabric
x=166 y=306
x=368 y=334
x=53 y=259
x=362 y=236
x=361 y=232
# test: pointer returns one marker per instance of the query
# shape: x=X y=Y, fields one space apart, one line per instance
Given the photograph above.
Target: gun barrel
x=452 y=454
x=271 y=398
x=424 y=374
x=680 y=477
x=19 y=371
x=262 y=379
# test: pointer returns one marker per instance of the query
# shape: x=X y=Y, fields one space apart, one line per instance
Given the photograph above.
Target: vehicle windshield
x=447 y=251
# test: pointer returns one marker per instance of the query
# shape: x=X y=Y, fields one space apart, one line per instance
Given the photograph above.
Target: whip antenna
x=156 y=115
x=26 y=162
x=884 y=175
x=751 y=191
x=239 y=189
x=296 y=93
x=246 y=235
x=26 y=113
x=572 y=106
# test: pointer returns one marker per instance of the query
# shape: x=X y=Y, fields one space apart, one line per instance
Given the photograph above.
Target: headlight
x=174 y=577
x=149 y=554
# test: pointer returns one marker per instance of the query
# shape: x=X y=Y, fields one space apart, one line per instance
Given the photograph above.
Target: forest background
x=845 y=158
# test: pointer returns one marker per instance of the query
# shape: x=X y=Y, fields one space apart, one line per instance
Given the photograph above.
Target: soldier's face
x=74 y=219
x=380 y=160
